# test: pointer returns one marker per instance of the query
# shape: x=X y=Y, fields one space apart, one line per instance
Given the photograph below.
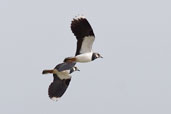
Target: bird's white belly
x=63 y=75
x=83 y=58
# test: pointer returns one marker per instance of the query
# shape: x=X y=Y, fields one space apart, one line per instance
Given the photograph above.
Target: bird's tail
x=70 y=59
x=47 y=71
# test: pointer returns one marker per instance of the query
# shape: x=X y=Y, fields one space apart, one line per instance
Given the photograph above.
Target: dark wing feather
x=58 y=87
x=79 y=44
x=65 y=66
x=82 y=30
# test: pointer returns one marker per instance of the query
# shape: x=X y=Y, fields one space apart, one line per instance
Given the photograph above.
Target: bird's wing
x=57 y=88
x=65 y=66
x=84 y=34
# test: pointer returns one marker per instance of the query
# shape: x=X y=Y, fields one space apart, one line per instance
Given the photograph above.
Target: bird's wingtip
x=55 y=98
x=79 y=17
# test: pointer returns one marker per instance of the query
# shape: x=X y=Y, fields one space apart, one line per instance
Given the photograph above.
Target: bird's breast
x=85 y=57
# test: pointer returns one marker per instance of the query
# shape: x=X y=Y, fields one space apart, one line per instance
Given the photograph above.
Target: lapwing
x=61 y=79
x=85 y=38
x=61 y=73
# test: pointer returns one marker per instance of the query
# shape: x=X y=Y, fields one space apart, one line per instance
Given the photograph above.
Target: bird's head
x=96 y=55
x=74 y=69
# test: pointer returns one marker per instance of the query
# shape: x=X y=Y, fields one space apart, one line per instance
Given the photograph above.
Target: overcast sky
x=134 y=37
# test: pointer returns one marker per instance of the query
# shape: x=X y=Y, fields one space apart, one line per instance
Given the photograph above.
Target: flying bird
x=61 y=79
x=61 y=73
x=85 y=38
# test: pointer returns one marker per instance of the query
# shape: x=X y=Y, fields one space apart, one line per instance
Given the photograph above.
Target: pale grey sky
x=134 y=37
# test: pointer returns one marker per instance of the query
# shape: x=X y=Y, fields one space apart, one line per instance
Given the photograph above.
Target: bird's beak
x=101 y=56
x=78 y=69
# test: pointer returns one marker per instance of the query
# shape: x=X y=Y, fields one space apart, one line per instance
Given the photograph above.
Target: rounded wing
x=57 y=88
x=84 y=34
